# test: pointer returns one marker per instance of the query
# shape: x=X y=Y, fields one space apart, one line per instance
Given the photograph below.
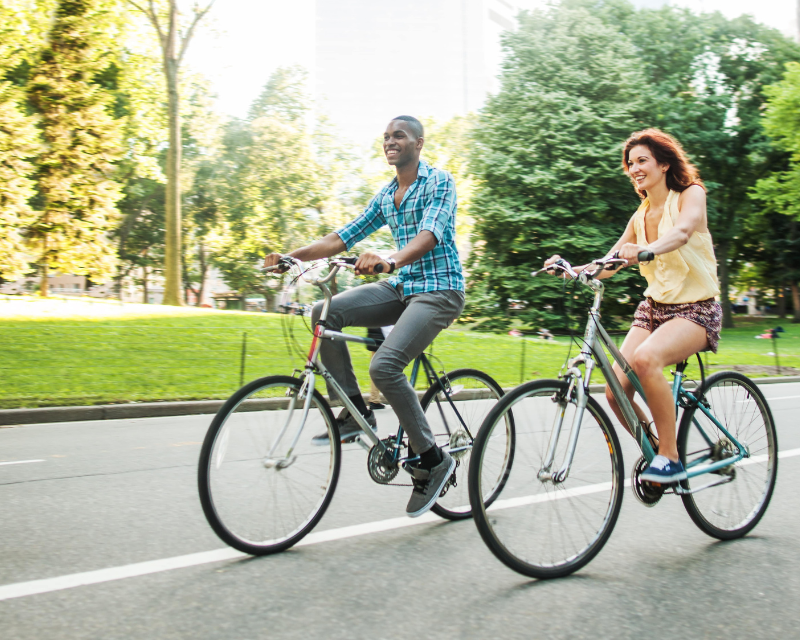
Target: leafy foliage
x=546 y=160
x=567 y=101
x=19 y=141
x=82 y=143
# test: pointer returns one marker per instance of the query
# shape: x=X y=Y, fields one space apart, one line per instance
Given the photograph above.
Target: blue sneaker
x=664 y=471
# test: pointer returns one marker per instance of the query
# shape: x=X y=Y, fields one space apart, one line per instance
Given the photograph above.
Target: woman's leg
x=671 y=343
x=636 y=336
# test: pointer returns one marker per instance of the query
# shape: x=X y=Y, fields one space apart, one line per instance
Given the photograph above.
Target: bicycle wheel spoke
x=257 y=499
x=458 y=423
x=732 y=508
x=546 y=527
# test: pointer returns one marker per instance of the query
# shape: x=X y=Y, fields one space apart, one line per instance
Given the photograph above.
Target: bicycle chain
x=452 y=482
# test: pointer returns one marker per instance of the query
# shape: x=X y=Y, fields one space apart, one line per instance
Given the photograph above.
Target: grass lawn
x=130 y=356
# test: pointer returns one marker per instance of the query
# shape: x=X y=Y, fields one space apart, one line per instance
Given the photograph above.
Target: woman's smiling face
x=644 y=169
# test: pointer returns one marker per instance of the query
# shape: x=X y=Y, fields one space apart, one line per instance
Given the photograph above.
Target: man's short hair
x=415 y=125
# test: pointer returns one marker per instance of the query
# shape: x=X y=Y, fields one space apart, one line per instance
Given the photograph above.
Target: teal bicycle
x=563 y=489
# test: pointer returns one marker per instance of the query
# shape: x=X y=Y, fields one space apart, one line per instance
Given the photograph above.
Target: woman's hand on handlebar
x=365 y=265
x=630 y=252
x=550 y=261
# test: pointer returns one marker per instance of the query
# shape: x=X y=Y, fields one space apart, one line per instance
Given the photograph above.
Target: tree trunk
x=172 y=249
x=795 y=302
x=201 y=257
x=781 y=291
x=144 y=285
x=722 y=261
x=44 y=286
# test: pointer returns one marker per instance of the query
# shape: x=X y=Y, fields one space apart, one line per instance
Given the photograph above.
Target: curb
x=17 y=417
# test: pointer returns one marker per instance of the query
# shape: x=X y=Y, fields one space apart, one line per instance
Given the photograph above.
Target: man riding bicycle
x=424 y=296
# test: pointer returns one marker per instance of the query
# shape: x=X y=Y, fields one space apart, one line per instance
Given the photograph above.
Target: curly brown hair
x=681 y=174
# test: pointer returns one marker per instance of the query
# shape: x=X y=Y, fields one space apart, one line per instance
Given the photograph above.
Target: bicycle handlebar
x=606 y=263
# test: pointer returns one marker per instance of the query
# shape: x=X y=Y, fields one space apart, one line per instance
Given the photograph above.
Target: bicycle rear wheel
x=474 y=394
x=259 y=493
x=732 y=509
x=538 y=527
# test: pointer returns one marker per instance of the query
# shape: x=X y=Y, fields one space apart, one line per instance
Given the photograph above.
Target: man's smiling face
x=400 y=145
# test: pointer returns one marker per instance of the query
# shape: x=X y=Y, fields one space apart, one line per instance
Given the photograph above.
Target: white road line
x=19 y=462
x=48 y=585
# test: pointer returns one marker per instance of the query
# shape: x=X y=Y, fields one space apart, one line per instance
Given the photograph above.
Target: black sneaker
x=428 y=485
x=374 y=406
x=348 y=428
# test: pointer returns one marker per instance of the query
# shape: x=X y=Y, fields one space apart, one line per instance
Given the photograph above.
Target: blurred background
x=151 y=153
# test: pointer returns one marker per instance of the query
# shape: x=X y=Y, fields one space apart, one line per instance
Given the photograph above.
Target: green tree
x=546 y=159
x=174 y=42
x=19 y=140
x=705 y=79
x=779 y=192
x=74 y=179
x=271 y=185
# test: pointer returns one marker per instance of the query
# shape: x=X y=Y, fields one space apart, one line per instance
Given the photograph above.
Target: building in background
x=375 y=59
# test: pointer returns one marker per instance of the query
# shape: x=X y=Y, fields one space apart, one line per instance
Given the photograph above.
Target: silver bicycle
x=564 y=486
x=264 y=484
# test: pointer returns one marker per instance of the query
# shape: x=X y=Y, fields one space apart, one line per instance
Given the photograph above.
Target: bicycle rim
x=474 y=395
x=260 y=494
x=537 y=527
x=731 y=509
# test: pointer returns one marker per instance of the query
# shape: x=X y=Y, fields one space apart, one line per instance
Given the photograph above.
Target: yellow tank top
x=688 y=274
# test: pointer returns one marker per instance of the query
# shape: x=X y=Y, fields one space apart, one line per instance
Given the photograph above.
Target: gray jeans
x=417 y=320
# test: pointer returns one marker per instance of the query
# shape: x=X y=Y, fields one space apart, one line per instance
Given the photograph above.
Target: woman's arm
x=692 y=217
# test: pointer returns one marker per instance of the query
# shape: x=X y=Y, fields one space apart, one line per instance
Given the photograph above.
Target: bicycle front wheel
x=455 y=424
x=541 y=527
x=733 y=507
x=263 y=483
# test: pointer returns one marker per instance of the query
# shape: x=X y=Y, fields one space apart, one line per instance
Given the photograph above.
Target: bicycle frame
x=314 y=366
x=592 y=354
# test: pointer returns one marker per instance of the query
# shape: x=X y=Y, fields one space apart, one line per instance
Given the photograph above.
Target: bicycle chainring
x=646 y=493
x=381 y=469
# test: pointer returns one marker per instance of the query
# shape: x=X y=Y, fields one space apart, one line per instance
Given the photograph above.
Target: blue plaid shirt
x=428 y=205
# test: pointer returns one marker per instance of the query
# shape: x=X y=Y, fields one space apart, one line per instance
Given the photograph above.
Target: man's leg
x=369 y=305
x=424 y=317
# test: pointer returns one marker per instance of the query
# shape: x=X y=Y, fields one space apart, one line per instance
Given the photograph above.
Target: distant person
x=679 y=315
x=423 y=297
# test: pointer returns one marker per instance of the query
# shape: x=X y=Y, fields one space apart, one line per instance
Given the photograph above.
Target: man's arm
x=329 y=246
x=417 y=247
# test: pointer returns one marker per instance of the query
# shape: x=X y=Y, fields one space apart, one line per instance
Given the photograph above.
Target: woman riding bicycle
x=679 y=315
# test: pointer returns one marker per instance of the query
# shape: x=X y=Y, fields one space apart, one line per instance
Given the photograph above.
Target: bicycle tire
x=595 y=483
x=252 y=506
x=476 y=393
x=730 y=510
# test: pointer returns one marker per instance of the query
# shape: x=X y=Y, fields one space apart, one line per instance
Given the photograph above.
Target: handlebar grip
x=646 y=256
x=378 y=268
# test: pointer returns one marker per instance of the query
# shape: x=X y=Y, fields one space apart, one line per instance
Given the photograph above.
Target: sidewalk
x=17 y=417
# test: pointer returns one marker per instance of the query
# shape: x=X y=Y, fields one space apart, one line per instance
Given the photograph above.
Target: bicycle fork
x=304 y=394
x=576 y=384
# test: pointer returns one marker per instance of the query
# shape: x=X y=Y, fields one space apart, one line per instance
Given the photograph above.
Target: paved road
x=112 y=495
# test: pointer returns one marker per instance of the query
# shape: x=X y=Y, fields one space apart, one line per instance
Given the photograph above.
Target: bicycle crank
x=379 y=462
x=646 y=493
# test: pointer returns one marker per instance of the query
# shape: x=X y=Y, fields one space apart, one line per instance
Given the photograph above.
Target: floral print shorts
x=651 y=315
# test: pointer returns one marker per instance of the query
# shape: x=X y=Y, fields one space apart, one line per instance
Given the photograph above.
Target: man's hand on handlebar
x=274 y=260
x=366 y=263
